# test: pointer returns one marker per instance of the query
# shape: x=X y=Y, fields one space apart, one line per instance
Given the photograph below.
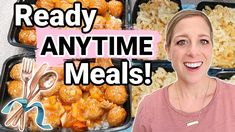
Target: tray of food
x=71 y=107
x=222 y=16
x=112 y=14
x=228 y=76
x=154 y=15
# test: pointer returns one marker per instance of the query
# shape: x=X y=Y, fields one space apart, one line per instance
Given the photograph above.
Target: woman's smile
x=193 y=66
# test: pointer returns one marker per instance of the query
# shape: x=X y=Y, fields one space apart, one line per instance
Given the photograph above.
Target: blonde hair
x=181 y=15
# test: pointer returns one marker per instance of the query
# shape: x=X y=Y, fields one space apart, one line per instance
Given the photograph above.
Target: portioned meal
x=76 y=107
x=109 y=15
x=223 y=23
x=154 y=15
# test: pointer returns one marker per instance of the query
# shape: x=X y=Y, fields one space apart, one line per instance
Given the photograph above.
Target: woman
x=195 y=102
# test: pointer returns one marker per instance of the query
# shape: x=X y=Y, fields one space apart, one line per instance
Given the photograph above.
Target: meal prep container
x=13 y=35
x=225 y=74
x=5 y=77
x=155 y=64
x=136 y=8
x=211 y=4
x=5 y=97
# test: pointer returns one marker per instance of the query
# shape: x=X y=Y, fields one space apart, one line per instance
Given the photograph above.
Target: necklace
x=194 y=122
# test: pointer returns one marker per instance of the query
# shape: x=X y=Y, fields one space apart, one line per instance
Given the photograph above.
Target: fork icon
x=26 y=75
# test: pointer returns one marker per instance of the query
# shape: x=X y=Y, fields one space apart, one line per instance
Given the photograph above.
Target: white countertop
x=6 y=14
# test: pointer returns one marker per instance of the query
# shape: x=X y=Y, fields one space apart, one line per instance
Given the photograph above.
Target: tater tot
x=116 y=94
x=27 y=37
x=70 y=94
x=116 y=116
x=96 y=93
x=16 y=71
x=115 y=8
x=101 y=5
x=15 y=88
x=93 y=109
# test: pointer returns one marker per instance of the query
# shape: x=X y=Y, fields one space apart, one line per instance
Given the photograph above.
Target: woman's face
x=190 y=50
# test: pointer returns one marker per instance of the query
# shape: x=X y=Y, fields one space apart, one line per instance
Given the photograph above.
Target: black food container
x=136 y=8
x=5 y=77
x=225 y=74
x=155 y=64
x=13 y=34
x=5 y=97
x=212 y=5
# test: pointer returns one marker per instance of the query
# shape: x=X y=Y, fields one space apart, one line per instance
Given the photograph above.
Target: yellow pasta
x=155 y=15
x=223 y=22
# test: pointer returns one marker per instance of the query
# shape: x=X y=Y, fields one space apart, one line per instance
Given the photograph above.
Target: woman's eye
x=181 y=42
x=204 y=41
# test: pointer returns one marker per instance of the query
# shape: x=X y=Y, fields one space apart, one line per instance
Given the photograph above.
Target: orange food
x=93 y=109
x=70 y=94
x=47 y=4
x=104 y=62
x=96 y=93
x=71 y=122
x=64 y=5
x=100 y=22
x=51 y=103
x=116 y=94
x=15 y=89
x=85 y=3
x=86 y=87
x=116 y=116
x=71 y=1
x=101 y=5
x=115 y=8
x=77 y=107
x=28 y=28
x=27 y=37
x=15 y=71
x=53 y=110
